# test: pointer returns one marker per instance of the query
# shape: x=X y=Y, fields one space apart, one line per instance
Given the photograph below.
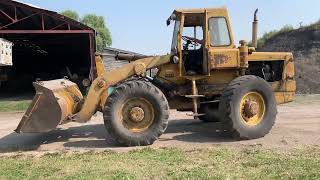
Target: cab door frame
x=224 y=56
x=206 y=68
x=205 y=60
x=180 y=48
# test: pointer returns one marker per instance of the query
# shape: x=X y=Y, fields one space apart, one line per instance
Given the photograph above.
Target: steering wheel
x=192 y=41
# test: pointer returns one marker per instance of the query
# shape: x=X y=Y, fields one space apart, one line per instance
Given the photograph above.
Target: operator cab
x=191 y=40
x=193 y=43
x=202 y=41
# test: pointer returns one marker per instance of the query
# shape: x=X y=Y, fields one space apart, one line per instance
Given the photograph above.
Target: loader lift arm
x=96 y=96
x=65 y=102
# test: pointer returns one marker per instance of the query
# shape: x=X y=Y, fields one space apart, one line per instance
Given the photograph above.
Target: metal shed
x=47 y=46
x=110 y=59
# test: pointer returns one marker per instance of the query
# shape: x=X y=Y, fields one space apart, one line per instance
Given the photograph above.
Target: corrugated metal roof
x=14 y=11
x=110 y=50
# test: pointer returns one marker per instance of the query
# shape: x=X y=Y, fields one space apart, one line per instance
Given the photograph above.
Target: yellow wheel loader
x=205 y=73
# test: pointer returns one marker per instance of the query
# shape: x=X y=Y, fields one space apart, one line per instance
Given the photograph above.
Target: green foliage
x=71 y=14
x=93 y=20
x=98 y=23
x=268 y=35
x=286 y=28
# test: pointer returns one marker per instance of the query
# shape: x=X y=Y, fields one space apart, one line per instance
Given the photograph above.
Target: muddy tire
x=211 y=111
x=248 y=108
x=136 y=113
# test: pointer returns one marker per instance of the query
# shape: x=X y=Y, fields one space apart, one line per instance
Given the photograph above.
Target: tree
x=71 y=14
x=98 y=23
x=103 y=38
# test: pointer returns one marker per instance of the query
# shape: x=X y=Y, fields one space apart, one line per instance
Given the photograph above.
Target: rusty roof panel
x=15 y=15
x=200 y=10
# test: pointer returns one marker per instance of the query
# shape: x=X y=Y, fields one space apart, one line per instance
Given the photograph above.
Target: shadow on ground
x=196 y=131
x=95 y=136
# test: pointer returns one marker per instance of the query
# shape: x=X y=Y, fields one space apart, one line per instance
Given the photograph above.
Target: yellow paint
x=269 y=56
x=221 y=12
x=257 y=118
x=223 y=62
x=169 y=73
x=100 y=66
x=284 y=97
x=180 y=44
x=224 y=58
x=137 y=114
x=94 y=100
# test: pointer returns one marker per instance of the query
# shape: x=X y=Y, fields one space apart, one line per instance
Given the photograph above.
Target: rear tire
x=136 y=113
x=244 y=97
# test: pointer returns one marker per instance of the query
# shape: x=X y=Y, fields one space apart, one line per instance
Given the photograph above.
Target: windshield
x=176 y=30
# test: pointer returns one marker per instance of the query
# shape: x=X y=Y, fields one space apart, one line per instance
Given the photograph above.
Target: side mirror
x=171 y=18
x=168 y=22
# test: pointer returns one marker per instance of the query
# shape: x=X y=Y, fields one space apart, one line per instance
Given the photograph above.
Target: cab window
x=219 y=32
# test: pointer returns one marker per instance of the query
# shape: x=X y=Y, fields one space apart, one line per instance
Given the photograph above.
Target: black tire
x=138 y=91
x=230 y=108
x=211 y=111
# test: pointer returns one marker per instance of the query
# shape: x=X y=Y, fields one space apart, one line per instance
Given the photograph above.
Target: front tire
x=248 y=108
x=136 y=113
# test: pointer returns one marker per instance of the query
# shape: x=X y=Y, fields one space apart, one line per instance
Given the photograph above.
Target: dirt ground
x=298 y=125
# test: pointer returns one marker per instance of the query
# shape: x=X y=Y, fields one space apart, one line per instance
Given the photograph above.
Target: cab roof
x=201 y=10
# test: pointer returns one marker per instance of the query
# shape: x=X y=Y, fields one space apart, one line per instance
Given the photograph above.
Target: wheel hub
x=137 y=114
x=251 y=108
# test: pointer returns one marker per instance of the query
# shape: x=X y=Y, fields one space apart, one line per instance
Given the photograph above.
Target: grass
x=14 y=106
x=217 y=163
x=271 y=34
x=285 y=29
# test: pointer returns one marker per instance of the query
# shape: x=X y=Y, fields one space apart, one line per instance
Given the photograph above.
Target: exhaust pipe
x=255 y=30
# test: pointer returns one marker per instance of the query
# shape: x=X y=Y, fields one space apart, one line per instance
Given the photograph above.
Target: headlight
x=175 y=59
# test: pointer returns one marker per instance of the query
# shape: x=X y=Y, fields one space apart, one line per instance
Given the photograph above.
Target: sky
x=140 y=25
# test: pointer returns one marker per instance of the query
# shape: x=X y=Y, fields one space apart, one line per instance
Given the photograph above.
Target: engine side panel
x=278 y=69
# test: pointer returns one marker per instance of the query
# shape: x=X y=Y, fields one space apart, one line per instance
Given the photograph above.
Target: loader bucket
x=54 y=103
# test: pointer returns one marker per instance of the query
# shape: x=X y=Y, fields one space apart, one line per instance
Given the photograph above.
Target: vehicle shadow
x=95 y=136
x=196 y=131
x=28 y=142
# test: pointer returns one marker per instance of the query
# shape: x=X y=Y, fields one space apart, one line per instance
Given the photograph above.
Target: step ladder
x=195 y=97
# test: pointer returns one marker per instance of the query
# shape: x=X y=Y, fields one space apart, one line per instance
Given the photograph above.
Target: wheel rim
x=137 y=114
x=252 y=108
